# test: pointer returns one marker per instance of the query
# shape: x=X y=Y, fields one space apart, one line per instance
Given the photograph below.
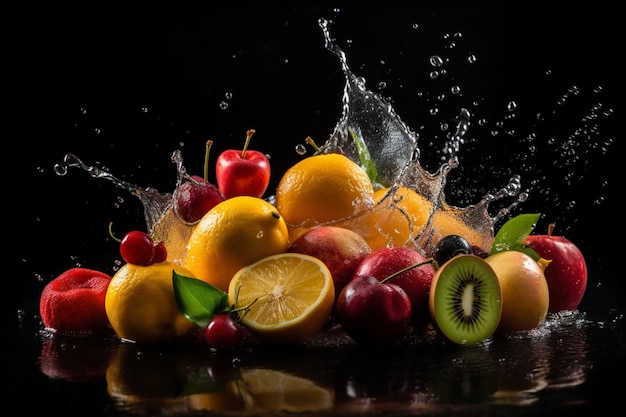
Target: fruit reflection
x=466 y=375
x=267 y=390
x=568 y=350
x=150 y=374
x=74 y=358
x=171 y=379
x=521 y=376
x=553 y=356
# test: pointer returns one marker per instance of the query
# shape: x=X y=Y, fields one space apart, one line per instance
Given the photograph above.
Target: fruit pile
x=331 y=248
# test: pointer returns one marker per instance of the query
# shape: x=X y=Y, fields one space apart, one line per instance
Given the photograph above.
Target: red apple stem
x=311 y=142
x=395 y=274
x=207 y=151
x=249 y=134
x=551 y=227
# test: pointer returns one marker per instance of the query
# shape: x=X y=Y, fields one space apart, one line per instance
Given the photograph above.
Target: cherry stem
x=311 y=142
x=395 y=274
x=207 y=151
x=118 y=240
x=249 y=134
x=245 y=309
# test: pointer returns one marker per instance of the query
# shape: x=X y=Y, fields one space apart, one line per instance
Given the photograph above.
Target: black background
x=125 y=87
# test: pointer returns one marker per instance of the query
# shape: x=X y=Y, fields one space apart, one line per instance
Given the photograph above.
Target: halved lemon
x=289 y=297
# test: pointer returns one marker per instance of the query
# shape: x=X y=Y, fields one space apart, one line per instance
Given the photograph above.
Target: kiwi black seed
x=465 y=299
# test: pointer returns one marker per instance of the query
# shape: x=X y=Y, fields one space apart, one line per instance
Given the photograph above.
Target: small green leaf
x=197 y=300
x=200 y=381
x=364 y=156
x=512 y=233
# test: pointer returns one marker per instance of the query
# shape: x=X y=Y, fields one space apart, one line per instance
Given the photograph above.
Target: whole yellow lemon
x=233 y=234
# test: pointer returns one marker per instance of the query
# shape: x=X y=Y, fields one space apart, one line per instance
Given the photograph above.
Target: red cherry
x=137 y=248
x=374 y=312
x=160 y=253
x=223 y=332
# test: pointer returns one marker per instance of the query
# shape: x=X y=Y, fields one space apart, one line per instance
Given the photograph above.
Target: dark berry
x=137 y=248
x=223 y=332
x=450 y=246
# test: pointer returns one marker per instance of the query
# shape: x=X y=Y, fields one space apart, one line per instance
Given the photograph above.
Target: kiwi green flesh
x=467 y=301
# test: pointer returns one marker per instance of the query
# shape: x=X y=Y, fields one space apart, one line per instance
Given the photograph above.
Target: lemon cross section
x=288 y=297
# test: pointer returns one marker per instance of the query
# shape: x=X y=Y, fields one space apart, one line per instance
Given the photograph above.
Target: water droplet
x=260 y=234
x=434 y=74
x=472 y=58
x=228 y=95
x=224 y=105
x=455 y=89
x=436 y=61
x=511 y=106
x=300 y=149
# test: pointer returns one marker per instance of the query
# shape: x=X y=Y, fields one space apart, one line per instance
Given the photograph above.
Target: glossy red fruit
x=137 y=248
x=160 y=253
x=373 y=312
x=73 y=302
x=415 y=282
x=242 y=172
x=566 y=274
x=194 y=197
x=339 y=248
x=223 y=332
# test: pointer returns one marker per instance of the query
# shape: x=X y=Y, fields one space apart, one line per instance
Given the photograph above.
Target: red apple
x=566 y=274
x=339 y=248
x=242 y=172
x=373 y=312
x=195 y=195
x=415 y=282
x=73 y=302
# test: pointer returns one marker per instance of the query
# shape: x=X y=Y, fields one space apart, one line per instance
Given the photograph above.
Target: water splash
x=154 y=202
x=393 y=147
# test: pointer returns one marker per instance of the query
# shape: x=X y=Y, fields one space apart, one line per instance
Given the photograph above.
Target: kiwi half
x=465 y=299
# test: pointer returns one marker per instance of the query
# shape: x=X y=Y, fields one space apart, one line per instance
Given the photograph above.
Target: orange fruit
x=235 y=233
x=141 y=305
x=525 y=296
x=290 y=296
x=323 y=188
x=396 y=220
x=403 y=216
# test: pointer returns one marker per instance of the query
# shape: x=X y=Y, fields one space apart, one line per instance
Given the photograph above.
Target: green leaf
x=512 y=233
x=365 y=158
x=200 y=381
x=197 y=300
